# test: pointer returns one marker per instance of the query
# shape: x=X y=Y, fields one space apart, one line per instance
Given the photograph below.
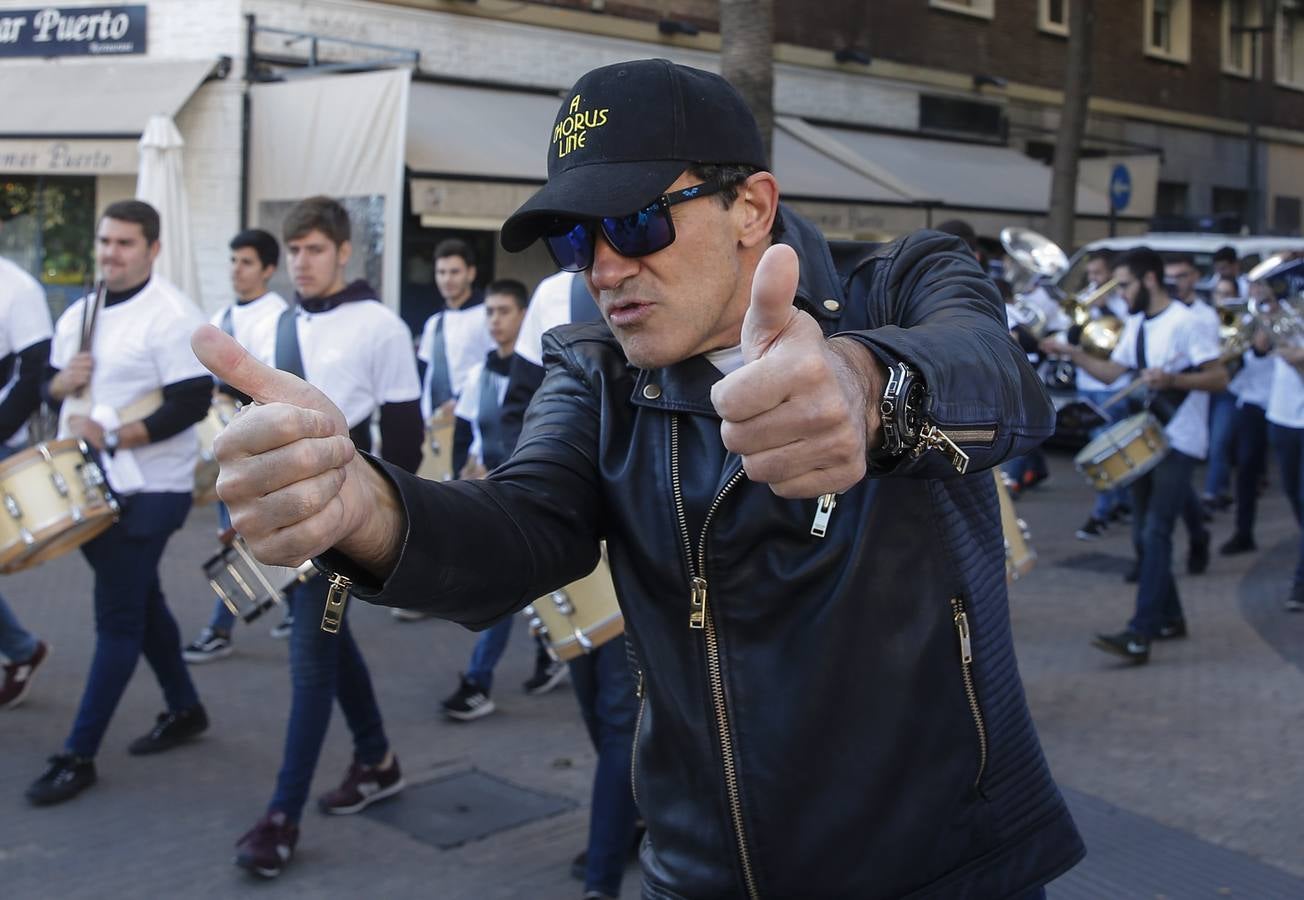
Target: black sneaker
x=1127 y=644
x=548 y=673
x=1172 y=631
x=170 y=729
x=1093 y=530
x=1197 y=558
x=67 y=777
x=1238 y=543
x=210 y=646
x=1121 y=513
x=281 y=630
x=361 y=787
x=265 y=849
x=1295 y=602
x=468 y=702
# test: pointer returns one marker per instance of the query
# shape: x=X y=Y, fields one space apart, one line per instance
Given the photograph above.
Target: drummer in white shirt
x=1178 y=360
x=254 y=258
x=140 y=345
x=1286 y=432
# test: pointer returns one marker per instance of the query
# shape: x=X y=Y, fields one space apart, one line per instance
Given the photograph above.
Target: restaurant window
x=1167 y=29
x=49 y=230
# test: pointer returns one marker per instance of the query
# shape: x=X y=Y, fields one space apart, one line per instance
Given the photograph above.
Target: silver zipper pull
x=823 y=511
x=934 y=438
x=966 y=647
x=697 y=604
x=336 y=598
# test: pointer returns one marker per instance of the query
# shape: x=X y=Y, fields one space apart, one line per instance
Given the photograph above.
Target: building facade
x=890 y=115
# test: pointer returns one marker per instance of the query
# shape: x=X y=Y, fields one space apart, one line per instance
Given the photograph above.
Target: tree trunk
x=747 y=58
x=1073 y=123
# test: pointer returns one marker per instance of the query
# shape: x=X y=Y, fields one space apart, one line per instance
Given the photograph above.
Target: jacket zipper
x=966 y=672
x=338 y=595
x=699 y=617
x=641 y=692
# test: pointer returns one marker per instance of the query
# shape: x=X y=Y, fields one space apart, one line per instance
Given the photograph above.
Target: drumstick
x=1130 y=389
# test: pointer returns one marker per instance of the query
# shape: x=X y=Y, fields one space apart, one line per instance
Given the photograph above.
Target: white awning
x=101 y=100
x=958 y=175
x=479 y=132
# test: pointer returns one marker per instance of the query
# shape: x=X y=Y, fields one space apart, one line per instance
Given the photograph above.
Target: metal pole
x=1252 y=164
x=246 y=121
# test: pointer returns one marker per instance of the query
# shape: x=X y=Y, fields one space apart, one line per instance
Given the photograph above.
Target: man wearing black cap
x=782 y=450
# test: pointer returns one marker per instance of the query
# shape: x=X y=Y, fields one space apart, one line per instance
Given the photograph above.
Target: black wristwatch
x=901 y=410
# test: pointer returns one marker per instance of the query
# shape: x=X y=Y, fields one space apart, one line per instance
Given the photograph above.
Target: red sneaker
x=18 y=676
x=362 y=786
x=265 y=849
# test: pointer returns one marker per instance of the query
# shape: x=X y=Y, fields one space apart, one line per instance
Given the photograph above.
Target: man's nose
x=609 y=267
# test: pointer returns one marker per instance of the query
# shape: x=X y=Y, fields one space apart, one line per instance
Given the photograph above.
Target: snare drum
x=580 y=617
x=1123 y=452
x=1019 y=555
x=220 y=414
x=437 y=450
x=55 y=498
x=248 y=587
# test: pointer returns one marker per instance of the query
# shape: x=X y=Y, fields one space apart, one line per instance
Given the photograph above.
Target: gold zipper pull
x=823 y=511
x=962 y=627
x=336 y=598
x=933 y=438
x=697 y=604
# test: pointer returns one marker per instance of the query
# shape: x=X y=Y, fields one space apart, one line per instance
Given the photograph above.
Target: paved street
x=1186 y=775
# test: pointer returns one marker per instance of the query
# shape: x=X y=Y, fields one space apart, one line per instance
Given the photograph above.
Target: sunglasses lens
x=571 y=246
x=640 y=233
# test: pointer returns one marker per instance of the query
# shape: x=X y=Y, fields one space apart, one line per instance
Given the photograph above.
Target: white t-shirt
x=1208 y=318
x=1175 y=341
x=549 y=307
x=468 y=404
x=359 y=354
x=1253 y=383
x=249 y=319
x=140 y=345
x=1286 y=400
x=24 y=320
x=466 y=341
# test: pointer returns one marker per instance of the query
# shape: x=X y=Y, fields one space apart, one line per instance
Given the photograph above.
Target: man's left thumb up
x=773 y=287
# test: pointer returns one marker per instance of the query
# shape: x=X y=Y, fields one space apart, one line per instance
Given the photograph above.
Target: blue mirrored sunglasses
x=570 y=242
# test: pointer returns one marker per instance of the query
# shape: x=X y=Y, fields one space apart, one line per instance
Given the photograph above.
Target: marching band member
x=1286 y=431
x=24 y=347
x=358 y=353
x=138 y=347
x=712 y=429
x=1177 y=357
x=254 y=257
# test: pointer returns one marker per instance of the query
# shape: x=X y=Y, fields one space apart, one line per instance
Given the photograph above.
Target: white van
x=1249 y=248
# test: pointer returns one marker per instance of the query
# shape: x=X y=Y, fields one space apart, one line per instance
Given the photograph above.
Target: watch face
x=912 y=417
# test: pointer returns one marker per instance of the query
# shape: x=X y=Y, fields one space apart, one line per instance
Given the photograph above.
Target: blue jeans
x=1222 y=442
x=1289 y=444
x=323 y=668
x=1034 y=462
x=1157 y=501
x=17 y=644
x=222 y=620
x=1251 y=432
x=1106 y=501
x=131 y=616
x=604 y=686
x=488 y=650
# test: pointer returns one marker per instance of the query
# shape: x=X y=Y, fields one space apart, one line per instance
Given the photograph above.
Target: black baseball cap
x=625 y=132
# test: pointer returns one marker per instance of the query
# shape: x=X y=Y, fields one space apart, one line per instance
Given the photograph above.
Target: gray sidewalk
x=1186 y=775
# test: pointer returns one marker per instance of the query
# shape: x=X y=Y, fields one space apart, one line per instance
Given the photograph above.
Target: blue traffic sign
x=1120 y=187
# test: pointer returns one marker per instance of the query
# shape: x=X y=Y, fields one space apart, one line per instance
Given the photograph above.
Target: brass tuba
x=1035 y=257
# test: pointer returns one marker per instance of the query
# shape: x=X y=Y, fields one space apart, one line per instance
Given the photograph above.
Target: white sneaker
x=409 y=615
x=208 y=647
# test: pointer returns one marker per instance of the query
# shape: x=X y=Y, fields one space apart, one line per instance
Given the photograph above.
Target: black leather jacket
x=830 y=731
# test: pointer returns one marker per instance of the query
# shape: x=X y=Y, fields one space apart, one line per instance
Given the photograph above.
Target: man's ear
x=346 y=253
x=757 y=205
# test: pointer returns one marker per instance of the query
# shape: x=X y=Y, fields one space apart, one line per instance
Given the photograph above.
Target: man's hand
x=1292 y=354
x=73 y=377
x=88 y=430
x=802 y=410
x=473 y=470
x=288 y=471
x=1056 y=347
x=1157 y=379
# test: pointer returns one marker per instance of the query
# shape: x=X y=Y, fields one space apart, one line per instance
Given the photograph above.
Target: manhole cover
x=466 y=806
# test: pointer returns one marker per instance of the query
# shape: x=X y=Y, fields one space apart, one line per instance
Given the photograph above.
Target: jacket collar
x=686 y=386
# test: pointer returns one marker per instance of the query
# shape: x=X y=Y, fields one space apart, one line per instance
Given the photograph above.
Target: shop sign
x=73 y=31
x=68 y=157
